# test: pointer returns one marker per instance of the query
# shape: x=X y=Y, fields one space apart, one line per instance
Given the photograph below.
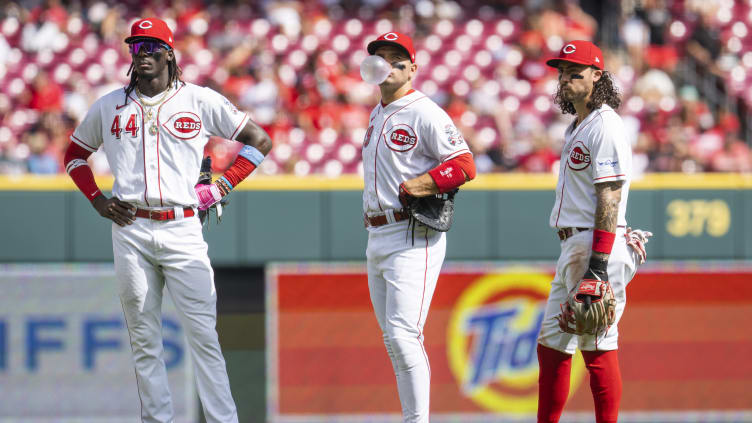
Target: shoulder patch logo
x=453 y=135
x=401 y=138
x=579 y=157
x=230 y=106
x=183 y=125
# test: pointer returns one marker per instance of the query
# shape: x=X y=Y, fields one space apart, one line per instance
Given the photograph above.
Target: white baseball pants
x=573 y=261
x=150 y=255
x=401 y=280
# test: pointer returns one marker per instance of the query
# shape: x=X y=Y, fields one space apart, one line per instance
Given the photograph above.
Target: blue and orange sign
x=492 y=339
x=327 y=361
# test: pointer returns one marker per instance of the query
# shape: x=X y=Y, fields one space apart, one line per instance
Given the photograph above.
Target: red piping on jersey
x=130 y=338
x=423 y=296
x=376 y=155
x=143 y=145
x=457 y=154
x=612 y=176
x=245 y=116
x=561 y=201
x=422 y=347
x=564 y=183
x=79 y=140
x=159 y=169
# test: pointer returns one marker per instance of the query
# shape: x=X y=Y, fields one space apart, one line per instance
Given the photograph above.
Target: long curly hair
x=604 y=91
x=173 y=69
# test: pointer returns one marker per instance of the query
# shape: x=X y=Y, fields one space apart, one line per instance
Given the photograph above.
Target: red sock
x=553 y=383
x=605 y=383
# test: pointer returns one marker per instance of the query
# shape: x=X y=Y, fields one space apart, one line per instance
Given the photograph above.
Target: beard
x=571 y=96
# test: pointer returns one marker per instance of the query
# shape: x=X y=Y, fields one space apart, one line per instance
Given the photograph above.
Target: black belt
x=565 y=233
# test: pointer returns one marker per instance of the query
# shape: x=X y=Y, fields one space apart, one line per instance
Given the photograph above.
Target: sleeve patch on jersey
x=453 y=135
x=183 y=125
x=401 y=138
x=608 y=163
x=579 y=157
x=231 y=107
x=367 y=138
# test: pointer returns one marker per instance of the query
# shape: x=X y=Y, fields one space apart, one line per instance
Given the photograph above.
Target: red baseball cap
x=581 y=52
x=151 y=28
x=393 y=39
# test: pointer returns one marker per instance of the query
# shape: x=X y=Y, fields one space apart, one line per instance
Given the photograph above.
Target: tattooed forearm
x=608 y=196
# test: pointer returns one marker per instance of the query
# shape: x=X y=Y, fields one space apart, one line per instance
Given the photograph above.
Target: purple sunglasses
x=149 y=46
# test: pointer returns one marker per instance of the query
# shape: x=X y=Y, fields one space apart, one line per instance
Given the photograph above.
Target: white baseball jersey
x=156 y=162
x=406 y=138
x=595 y=151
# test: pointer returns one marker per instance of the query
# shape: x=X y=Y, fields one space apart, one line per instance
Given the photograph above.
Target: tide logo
x=401 y=138
x=579 y=157
x=492 y=341
x=183 y=125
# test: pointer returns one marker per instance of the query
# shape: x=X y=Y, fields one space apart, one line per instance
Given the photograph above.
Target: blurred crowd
x=681 y=67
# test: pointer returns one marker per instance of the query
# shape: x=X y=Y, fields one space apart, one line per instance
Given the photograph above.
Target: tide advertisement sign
x=326 y=360
x=65 y=354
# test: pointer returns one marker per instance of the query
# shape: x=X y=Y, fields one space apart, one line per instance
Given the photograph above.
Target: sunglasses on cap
x=149 y=46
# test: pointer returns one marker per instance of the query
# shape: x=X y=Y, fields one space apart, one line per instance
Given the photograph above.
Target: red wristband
x=447 y=176
x=239 y=171
x=603 y=241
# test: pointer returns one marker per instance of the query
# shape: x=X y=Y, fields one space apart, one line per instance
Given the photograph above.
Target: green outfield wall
x=498 y=217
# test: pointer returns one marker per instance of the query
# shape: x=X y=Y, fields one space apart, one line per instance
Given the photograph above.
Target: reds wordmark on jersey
x=595 y=151
x=155 y=152
x=405 y=139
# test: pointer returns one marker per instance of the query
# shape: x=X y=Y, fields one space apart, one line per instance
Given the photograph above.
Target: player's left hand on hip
x=208 y=195
x=636 y=239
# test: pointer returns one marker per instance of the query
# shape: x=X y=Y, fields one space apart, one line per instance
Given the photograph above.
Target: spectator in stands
x=46 y=94
x=323 y=93
x=40 y=160
x=704 y=45
x=735 y=156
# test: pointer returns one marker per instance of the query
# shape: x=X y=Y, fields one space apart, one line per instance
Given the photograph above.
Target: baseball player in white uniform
x=411 y=147
x=589 y=215
x=153 y=133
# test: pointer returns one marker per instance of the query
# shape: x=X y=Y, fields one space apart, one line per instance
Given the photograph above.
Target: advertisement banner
x=65 y=354
x=684 y=345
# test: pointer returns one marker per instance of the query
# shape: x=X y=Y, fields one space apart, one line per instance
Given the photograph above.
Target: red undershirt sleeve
x=451 y=174
x=79 y=170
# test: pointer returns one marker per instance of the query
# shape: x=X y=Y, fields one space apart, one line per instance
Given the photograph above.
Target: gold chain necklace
x=149 y=105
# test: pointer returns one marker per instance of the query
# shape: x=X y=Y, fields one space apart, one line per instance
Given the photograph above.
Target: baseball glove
x=433 y=211
x=590 y=308
x=205 y=177
x=636 y=239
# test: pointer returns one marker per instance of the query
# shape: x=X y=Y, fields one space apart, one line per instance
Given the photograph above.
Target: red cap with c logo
x=395 y=39
x=151 y=28
x=581 y=52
